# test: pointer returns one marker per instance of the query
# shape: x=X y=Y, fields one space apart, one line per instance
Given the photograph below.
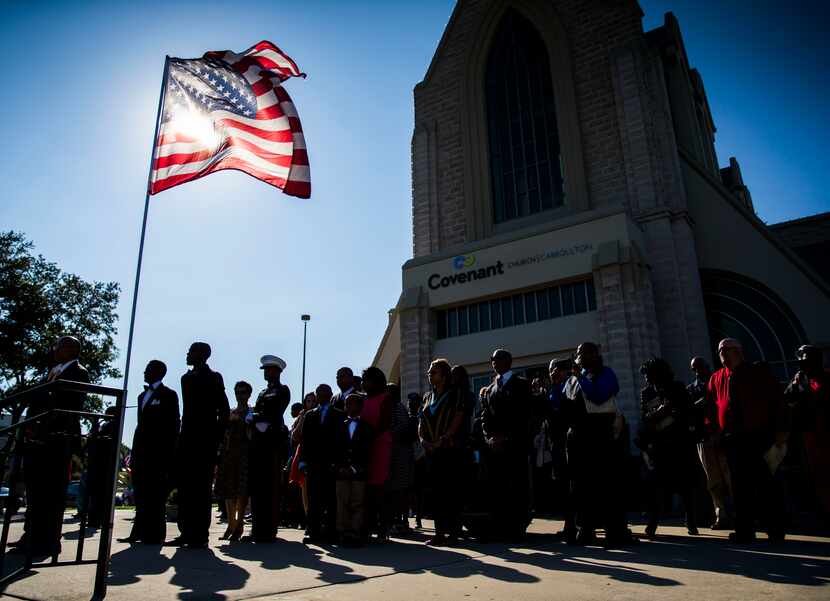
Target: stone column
x=628 y=322
x=416 y=340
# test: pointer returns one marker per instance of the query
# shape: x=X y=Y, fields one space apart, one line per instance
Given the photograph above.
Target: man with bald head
x=505 y=421
x=319 y=437
x=747 y=405
x=204 y=418
x=49 y=450
x=710 y=450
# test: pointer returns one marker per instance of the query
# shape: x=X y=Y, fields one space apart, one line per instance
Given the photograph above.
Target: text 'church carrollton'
x=565 y=188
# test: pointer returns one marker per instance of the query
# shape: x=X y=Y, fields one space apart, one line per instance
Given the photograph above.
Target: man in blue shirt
x=595 y=457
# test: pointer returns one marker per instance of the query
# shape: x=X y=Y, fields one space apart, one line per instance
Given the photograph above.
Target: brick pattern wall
x=657 y=200
x=594 y=29
x=628 y=327
x=416 y=350
x=630 y=157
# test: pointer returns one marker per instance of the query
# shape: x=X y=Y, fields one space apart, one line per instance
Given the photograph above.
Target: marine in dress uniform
x=269 y=437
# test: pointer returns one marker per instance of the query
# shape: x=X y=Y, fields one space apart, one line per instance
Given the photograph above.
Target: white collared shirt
x=59 y=369
x=148 y=393
x=504 y=377
x=346 y=393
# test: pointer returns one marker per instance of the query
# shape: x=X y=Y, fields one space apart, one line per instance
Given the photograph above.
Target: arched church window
x=738 y=307
x=525 y=158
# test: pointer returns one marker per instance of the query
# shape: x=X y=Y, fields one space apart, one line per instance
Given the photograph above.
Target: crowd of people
x=360 y=462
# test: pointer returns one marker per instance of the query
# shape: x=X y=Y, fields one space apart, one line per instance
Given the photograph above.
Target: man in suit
x=505 y=420
x=352 y=445
x=347 y=384
x=48 y=450
x=154 y=443
x=204 y=419
x=316 y=451
x=269 y=438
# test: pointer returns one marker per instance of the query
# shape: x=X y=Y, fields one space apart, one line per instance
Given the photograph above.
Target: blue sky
x=232 y=261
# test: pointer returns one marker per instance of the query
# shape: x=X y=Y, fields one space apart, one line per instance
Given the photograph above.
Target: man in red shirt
x=751 y=417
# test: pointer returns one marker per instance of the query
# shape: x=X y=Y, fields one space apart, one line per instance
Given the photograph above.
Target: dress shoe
x=439 y=540
x=312 y=540
x=179 y=541
x=585 y=537
x=692 y=530
x=742 y=537
x=196 y=545
x=129 y=539
x=720 y=525
x=651 y=530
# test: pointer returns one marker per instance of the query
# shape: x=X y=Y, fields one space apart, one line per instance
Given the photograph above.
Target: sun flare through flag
x=230 y=111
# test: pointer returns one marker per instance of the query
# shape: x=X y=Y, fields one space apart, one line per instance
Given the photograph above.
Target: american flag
x=230 y=111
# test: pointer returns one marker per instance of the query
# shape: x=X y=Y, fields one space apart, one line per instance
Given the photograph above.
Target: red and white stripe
x=270 y=146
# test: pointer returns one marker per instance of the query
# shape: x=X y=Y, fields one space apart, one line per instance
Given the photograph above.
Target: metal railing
x=18 y=429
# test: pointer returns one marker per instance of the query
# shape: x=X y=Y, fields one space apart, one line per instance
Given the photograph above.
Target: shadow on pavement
x=199 y=573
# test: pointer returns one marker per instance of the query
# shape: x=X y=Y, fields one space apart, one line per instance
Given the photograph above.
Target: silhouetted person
x=319 y=439
x=595 y=457
x=347 y=384
x=506 y=409
x=753 y=422
x=809 y=395
x=560 y=371
x=100 y=453
x=269 y=438
x=353 y=442
x=48 y=450
x=154 y=444
x=204 y=419
x=442 y=434
x=232 y=475
x=710 y=448
x=666 y=441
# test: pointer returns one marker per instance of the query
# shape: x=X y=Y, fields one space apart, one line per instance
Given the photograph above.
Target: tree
x=38 y=304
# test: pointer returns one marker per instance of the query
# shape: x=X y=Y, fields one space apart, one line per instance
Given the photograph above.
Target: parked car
x=73 y=493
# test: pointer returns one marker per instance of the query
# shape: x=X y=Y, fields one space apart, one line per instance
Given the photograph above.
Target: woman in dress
x=233 y=470
x=442 y=433
x=402 y=463
x=377 y=412
x=295 y=475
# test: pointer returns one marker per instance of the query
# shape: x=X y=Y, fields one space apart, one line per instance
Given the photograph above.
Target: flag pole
x=106 y=535
x=162 y=94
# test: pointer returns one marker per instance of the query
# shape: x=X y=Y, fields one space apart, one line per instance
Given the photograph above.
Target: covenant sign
x=436 y=280
x=465 y=265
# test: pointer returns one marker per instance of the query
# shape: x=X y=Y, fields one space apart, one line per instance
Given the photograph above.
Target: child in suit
x=354 y=439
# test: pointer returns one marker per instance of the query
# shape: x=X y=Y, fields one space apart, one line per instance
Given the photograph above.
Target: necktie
x=499 y=382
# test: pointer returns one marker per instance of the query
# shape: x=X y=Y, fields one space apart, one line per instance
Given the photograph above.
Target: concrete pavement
x=675 y=566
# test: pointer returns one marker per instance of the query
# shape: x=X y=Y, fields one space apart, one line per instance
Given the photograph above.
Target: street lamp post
x=306 y=319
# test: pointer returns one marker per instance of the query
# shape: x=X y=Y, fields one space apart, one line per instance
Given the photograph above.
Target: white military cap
x=272 y=361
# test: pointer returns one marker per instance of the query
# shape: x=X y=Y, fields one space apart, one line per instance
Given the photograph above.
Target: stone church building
x=565 y=188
